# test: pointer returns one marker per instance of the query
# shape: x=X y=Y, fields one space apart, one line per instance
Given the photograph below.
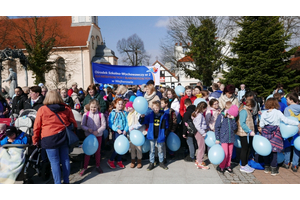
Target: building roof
x=173 y=74
x=72 y=36
x=186 y=59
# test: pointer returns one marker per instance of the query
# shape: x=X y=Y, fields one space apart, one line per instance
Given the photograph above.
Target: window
x=61 y=70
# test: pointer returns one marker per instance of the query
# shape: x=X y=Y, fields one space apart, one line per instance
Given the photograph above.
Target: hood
x=56 y=107
x=191 y=108
x=219 y=91
x=295 y=109
x=269 y=117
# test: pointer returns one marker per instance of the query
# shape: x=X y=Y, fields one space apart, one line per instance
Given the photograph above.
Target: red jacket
x=47 y=123
x=182 y=108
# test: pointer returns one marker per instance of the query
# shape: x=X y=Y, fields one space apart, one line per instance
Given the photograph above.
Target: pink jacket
x=94 y=123
x=211 y=118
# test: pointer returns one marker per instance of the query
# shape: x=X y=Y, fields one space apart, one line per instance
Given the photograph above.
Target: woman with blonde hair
x=50 y=131
x=151 y=95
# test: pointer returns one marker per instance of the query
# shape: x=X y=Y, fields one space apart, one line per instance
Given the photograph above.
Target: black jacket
x=69 y=101
x=186 y=116
x=18 y=103
x=36 y=105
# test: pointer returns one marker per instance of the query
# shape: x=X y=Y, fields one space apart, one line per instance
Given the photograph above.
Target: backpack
x=191 y=129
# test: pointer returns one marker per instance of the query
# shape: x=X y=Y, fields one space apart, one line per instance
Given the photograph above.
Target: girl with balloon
x=117 y=121
x=269 y=124
x=93 y=122
x=224 y=130
x=245 y=128
x=211 y=114
x=200 y=125
x=133 y=123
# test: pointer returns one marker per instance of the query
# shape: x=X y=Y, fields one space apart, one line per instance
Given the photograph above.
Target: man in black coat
x=18 y=101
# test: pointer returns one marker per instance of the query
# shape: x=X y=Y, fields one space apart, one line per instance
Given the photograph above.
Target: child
x=188 y=91
x=172 y=122
x=292 y=110
x=245 y=127
x=13 y=136
x=158 y=125
x=224 y=131
x=200 y=124
x=119 y=125
x=211 y=114
x=133 y=123
x=190 y=108
x=173 y=101
x=93 y=122
x=269 y=124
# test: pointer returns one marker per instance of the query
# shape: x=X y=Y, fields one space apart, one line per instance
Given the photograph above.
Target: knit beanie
x=129 y=104
x=233 y=110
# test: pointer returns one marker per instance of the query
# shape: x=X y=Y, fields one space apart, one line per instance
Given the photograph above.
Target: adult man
x=36 y=99
x=18 y=100
x=70 y=91
x=241 y=93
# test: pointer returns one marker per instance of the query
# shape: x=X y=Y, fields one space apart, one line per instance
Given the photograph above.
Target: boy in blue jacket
x=13 y=136
x=158 y=121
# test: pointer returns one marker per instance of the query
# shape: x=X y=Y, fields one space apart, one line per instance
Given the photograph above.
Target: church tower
x=84 y=20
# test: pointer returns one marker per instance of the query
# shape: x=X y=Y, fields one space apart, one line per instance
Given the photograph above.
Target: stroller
x=33 y=162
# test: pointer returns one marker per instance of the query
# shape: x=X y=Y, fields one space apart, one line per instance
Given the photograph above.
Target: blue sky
x=151 y=29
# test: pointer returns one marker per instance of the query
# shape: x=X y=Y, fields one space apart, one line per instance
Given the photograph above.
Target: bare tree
x=133 y=51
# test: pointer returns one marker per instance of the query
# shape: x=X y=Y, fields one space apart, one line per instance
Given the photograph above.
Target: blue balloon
x=287 y=130
x=146 y=146
x=179 y=89
x=261 y=145
x=216 y=154
x=90 y=145
x=198 y=100
x=280 y=158
x=105 y=133
x=173 y=142
x=137 y=138
x=237 y=142
x=210 y=138
x=297 y=143
x=121 y=145
x=140 y=104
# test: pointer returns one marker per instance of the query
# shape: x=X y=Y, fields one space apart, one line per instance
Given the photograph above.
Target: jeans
x=159 y=148
x=56 y=157
x=190 y=142
x=287 y=156
x=114 y=154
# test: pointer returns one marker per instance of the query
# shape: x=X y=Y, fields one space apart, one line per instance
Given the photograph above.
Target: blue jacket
x=216 y=94
x=163 y=126
x=118 y=120
x=20 y=139
x=224 y=129
x=294 y=108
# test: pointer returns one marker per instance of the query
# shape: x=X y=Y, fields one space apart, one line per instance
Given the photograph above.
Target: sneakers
x=82 y=172
x=294 y=168
x=229 y=170
x=189 y=159
x=202 y=166
x=245 y=169
x=274 y=171
x=99 y=170
x=222 y=170
x=196 y=162
x=267 y=169
x=286 y=166
x=251 y=168
x=150 y=167
x=120 y=164
x=111 y=164
x=162 y=165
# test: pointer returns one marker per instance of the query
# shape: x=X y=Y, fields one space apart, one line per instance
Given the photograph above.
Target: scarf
x=130 y=118
x=33 y=101
x=150 y=97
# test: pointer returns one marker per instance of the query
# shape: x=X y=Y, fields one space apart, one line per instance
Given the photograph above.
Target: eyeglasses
x=216 y=104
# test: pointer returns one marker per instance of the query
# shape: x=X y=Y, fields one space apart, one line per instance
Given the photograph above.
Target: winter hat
x=233 y=110
x=10 y=130
x=129 y=104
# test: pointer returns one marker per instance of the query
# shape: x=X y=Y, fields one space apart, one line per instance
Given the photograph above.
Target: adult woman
x=227 y=95
x=92 y=94
x=36 y=99
x=51 y=132
x=150 y=95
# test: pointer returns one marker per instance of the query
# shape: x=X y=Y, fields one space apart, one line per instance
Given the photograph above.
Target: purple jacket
x=200 y=124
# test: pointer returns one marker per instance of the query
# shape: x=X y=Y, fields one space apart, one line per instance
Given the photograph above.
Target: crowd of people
x=225 y=110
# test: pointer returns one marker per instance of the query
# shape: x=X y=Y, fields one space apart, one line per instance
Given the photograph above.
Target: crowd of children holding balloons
x=220 y=120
